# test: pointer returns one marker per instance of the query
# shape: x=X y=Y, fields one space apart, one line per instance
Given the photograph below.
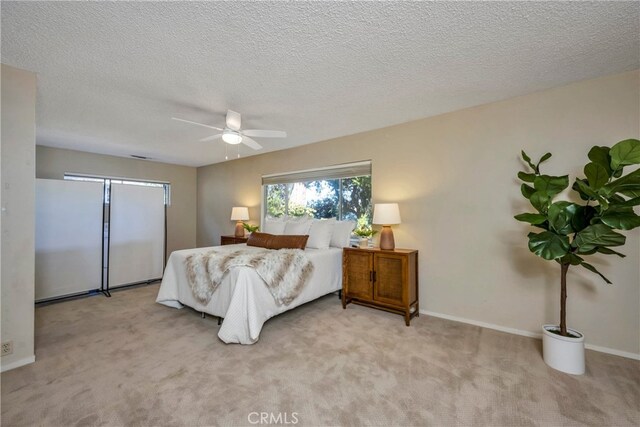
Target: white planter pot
x=565 y=354
x=364 y=243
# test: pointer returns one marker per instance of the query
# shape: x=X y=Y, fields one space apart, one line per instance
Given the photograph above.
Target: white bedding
x=242 y=298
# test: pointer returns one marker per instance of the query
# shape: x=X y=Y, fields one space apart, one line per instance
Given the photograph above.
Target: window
x=342 y=192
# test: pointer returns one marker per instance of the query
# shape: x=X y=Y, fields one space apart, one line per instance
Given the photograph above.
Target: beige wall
x=454 y=177
x=17 y=155
x=52 y=163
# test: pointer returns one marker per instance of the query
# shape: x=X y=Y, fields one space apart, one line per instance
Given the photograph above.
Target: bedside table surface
x=396 y=250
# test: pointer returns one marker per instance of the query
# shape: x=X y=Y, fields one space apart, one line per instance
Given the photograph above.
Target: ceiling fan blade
x=251 y=143
x=233 y=120
x=211 y=138
x=265 y=133
x=196 y=123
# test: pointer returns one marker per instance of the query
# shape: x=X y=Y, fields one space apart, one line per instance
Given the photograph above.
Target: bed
x=242 y=298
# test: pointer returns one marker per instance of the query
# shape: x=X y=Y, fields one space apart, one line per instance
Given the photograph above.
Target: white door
x=68 y=237
x=136 y=246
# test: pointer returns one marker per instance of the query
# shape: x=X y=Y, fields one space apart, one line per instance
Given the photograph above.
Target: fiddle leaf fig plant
x=572 y=231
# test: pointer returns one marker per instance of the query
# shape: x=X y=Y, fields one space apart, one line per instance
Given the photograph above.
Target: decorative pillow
x=271 y=241
x=260 y=240
x=297 y=227
x=288 y=242
x=341 y=236
x=274 y=226
x=320 y=233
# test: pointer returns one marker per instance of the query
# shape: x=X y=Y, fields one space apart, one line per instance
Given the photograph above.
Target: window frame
x=340 y=172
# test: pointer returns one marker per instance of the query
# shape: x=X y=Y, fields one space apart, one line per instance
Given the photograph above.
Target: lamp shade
x=386 y=214
x=239 y=214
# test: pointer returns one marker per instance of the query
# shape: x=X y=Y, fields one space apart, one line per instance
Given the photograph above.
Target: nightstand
x=232 y=240
x=386 y=280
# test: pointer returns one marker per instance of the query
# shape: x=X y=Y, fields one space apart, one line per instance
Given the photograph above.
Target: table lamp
x=386 y=214
x=239 y=214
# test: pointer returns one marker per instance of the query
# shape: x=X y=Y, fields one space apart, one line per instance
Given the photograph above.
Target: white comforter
x=242 y=298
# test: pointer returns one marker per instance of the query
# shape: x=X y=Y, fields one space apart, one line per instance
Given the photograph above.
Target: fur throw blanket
x=284 y=271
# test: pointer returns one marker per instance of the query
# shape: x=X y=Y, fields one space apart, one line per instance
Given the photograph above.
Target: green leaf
x=531 y=218
x=551 y=185
x=600 y=155
x=548 y=245
x=631 y=202
x=582 y=217
x=575 y=187
x=544 y=158
x=561 y=217
x=597 y=235
x=630 y=193
x=629 y=182
x=583 y=188
x=571 y=258
x=540 y=201
x=250 y=228
x=593 y=269
x=616 y=200
x=543 y=225
x=527 y=190
x=625 y=152
x=607 y=251
x=604 y=203
x=528 y=160
x=596 y=174
x=621 y=220
x=526 y=177
x=591 y=252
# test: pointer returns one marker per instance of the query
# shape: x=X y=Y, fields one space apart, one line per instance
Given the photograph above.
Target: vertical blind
x=346 y=170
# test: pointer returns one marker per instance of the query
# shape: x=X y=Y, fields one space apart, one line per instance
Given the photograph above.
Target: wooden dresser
x=232 y=240
x=387 y=280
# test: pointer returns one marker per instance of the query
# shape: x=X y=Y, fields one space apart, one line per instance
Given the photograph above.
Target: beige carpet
x=128 y=361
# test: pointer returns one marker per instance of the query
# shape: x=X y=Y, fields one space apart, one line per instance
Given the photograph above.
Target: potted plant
x=250 y=228
x=365 y=233
x=573 y=230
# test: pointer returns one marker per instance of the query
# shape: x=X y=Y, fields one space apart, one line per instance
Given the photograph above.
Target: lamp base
x=386 y=239
x=239 y=229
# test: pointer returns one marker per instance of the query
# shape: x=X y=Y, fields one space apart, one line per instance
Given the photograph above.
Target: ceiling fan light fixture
x=231 y=137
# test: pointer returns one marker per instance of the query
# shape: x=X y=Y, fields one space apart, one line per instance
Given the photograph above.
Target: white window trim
x=361 y=163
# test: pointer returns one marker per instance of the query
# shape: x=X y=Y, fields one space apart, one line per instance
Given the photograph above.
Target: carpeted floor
x=128 y=361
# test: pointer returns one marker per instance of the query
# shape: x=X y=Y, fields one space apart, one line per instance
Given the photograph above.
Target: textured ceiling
x=111 y=75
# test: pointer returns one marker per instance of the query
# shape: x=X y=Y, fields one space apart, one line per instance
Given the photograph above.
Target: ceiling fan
x=232 y=134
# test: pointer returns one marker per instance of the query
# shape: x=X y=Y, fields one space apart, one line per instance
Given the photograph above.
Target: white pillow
x=272 y=226
x=320 y=233
x=297 y=227
x=341 y=237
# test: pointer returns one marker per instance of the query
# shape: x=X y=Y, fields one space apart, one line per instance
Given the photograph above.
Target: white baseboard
x=629 y=355
x=17 y=363
x=613 y=351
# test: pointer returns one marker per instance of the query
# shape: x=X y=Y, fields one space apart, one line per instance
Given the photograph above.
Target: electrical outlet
x=7 y=348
